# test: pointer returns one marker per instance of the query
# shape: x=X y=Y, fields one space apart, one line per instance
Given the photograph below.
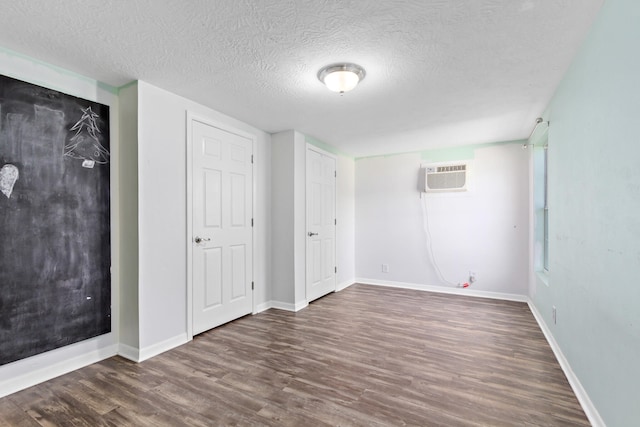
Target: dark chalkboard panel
x=55 y=249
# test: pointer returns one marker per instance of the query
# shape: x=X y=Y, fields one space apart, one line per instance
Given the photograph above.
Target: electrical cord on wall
x=432 y=258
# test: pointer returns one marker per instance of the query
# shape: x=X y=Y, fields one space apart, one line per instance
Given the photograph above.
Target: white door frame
x=190 y=117
x=306 y=226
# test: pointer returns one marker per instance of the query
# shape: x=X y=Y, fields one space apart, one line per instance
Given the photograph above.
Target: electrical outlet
x=472 y=276
x=385 y=268
x=553 y=312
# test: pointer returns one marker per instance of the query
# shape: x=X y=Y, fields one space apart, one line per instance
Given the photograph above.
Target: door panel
x=321 y=230
x=238 y=271
x=222 y=261
x=212 y=203
x=213 y=276
x=238 y=200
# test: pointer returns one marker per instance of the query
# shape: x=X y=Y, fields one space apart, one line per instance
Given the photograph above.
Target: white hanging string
x=432 y=258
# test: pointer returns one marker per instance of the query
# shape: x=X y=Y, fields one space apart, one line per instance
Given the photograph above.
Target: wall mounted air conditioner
x=442 y=178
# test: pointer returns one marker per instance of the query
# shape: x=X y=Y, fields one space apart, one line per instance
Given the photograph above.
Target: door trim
x=191 y=117
x=306 y=226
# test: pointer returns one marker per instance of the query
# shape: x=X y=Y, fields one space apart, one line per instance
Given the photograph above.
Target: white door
x=321 y=223
x=222 y=206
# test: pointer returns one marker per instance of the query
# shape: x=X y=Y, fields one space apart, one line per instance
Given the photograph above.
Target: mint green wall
x=324 y=146
x=594 y=208
x=450 y=154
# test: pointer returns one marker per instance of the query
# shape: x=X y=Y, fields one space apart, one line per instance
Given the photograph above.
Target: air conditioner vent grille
x=446 y=181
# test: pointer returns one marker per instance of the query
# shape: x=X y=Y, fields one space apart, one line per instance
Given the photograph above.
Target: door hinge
x=252 y=222
x=335 y=269
x=252 y=159
x=335 y=222
x=252 y=285
x=335 y=174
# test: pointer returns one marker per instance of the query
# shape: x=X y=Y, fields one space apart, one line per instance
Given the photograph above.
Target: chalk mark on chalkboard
x=85 y=144
x=8 y=176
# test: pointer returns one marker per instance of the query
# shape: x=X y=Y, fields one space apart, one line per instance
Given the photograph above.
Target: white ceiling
x=440 y=73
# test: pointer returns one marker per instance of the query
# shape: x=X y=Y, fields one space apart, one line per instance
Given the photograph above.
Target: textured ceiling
x=439 y=72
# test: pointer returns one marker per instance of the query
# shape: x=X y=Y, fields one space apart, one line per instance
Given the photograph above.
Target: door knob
x=201 y=239
x=312 y=234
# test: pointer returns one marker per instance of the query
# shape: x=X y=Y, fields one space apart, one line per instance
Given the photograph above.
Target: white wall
x=300 y=219
x=289 y=220
x=24 y=373
x=345 y=214
x=282 y=206
x=484 y=229
x=128 y=168
x=162 y=214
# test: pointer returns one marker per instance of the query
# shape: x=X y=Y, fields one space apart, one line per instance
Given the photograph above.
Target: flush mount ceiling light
x=341 y=77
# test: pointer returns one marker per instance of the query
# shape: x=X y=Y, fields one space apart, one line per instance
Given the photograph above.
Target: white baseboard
x=300 y=305
x=344 y=285
x=288 y=306
x=263 y=307
x=161 y=347
x=129 y=352
x=54 y=370
x=445 y=290
x=586 y=403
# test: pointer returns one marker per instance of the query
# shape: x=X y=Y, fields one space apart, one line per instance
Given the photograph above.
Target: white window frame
x=545 y=238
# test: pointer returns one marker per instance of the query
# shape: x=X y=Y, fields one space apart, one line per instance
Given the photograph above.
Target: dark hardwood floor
x=367 y=356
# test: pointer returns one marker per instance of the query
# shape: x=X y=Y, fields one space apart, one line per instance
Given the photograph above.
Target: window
x=545 y=248
x=541 y=204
